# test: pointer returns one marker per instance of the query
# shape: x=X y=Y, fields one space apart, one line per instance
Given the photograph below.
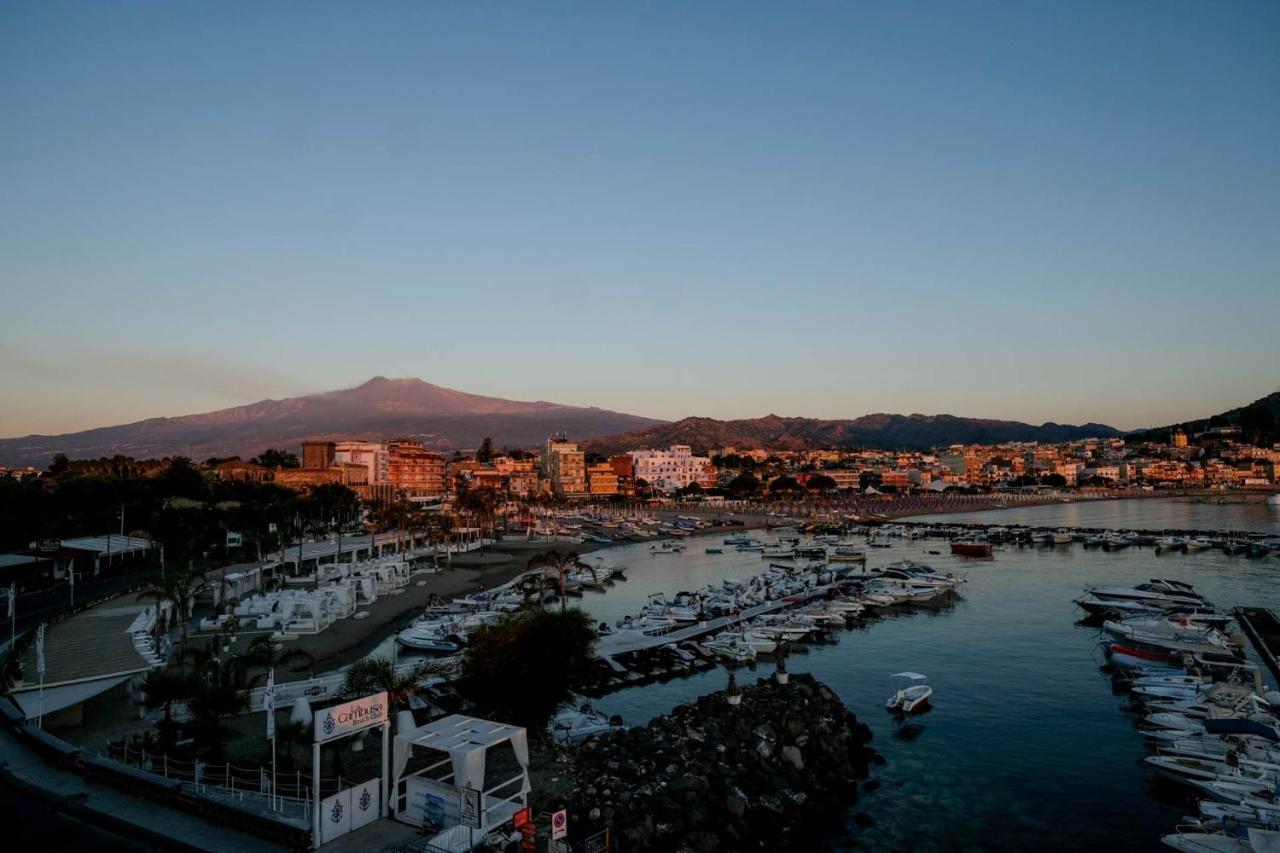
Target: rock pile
x=771 y=773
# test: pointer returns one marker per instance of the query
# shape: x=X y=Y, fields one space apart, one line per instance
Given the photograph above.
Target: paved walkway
x=115 y=810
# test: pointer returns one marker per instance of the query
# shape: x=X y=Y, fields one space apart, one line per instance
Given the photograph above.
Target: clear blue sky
x=1044 y=211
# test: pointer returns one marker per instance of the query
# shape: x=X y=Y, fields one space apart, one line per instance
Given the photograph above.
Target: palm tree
x=179 y=587
x=220 y=693
x=161 y=688
x=374 y=675
x=265 y=654
x=554 y=563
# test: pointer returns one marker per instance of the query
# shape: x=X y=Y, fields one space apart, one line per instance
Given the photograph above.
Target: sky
x=1064 y=211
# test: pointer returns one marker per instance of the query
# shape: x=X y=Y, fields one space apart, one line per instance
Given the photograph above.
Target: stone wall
x=772 y=773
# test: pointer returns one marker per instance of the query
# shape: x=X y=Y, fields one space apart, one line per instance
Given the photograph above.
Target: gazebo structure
x=432 y=765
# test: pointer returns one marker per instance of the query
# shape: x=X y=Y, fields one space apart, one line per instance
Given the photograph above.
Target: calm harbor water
x=1027 y=746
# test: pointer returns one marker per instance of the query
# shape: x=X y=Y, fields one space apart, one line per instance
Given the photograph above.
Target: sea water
x=1027 y=745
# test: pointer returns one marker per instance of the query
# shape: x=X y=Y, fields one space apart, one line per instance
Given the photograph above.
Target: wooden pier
x=1263 y=630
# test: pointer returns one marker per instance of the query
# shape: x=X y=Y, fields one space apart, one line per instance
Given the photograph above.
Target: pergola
x=432 y=793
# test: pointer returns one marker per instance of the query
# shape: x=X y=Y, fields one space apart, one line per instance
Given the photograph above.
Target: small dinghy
x=912 y=694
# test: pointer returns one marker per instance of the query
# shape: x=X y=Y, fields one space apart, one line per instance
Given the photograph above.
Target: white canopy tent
x=431 y=794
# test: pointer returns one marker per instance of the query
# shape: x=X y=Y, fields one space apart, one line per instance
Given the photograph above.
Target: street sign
x=469 y=807
x=521 y=817
x=598 y=843
x=559 y=824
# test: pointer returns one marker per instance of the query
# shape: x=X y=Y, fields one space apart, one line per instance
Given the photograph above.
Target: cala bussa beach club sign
x=351 y=717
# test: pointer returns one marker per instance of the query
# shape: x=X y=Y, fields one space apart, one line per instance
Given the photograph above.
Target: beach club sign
x=351 y=717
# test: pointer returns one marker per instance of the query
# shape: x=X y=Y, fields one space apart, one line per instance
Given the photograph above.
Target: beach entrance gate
x=353 y=807
x=446 y=791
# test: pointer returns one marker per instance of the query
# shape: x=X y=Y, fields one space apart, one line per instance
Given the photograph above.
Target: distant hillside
x=878 y=431
x=1260 y=416
x=381 y=408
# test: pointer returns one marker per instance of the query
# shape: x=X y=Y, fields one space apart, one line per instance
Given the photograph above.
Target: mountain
x=1261 y=418
x=879 y=430
x=443 y=418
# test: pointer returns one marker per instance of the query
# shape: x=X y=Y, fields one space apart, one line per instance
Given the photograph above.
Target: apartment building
x=673 y=468
x=414 y=470
x=565 y=466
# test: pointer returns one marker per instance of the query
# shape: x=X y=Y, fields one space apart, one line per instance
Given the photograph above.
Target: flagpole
x=40 y=669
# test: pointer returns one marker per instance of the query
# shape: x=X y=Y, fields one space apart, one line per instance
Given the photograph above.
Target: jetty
x=621 y=642
x=1263 y=630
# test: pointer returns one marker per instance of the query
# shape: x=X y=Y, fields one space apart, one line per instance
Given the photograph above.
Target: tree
x=181 y=587
x=276 y=459
x=820 y=483
x=692 y=489
x=161 y=688
x=744 y=485
x=785 y=483
x=559 y=565
x=485 y=454
x=374 y=675
x=219 y=692
x=59 y=465
x=265 y=654
x=520 y=670
x=1055 y=480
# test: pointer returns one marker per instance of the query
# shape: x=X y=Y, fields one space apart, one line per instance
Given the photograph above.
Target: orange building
x=413 y=469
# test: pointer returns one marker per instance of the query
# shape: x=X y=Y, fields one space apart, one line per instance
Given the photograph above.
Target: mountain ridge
x=380 y=408
x=881 y=430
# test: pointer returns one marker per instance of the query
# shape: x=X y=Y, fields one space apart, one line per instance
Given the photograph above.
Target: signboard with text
x=351 y=717
x=469 y=806
x=559 y=824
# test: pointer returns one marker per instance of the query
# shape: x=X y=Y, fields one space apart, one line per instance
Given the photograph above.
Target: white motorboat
x=424 y=641
x=913 y=693
x=763 y=645
x=731 y=650
x=577 y=726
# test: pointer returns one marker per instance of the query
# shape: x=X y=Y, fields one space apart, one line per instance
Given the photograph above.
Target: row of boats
x=1247 y=544
x=808 y=600
x=1209 y=720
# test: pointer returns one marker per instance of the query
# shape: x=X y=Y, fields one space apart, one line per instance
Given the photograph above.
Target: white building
x=673 y=468
x=372 y=455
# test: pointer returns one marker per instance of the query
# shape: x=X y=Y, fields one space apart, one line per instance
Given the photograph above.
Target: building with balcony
x=413 y=470
x=565 y=466
x=673 y=468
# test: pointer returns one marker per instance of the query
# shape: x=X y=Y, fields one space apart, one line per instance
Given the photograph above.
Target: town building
x=565 y=466
x=317 y=454
x=413 y=470
x=371 y=454
x=602 y=479
x=673 y=468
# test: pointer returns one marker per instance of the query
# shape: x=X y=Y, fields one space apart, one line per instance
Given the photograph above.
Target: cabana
x=430 y=794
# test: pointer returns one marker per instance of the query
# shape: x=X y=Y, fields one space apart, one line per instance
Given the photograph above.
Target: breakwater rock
x=771 y=773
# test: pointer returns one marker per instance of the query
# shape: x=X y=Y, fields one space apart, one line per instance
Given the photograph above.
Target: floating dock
x=1263 y=630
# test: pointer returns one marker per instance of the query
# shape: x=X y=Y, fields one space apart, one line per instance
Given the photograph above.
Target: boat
x=971 y=548
x=426 y=640
x=731 y=650
x=913 y=693
x=577 y=726
x=1273 y=500
x=666 y=548
x=715 y=550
